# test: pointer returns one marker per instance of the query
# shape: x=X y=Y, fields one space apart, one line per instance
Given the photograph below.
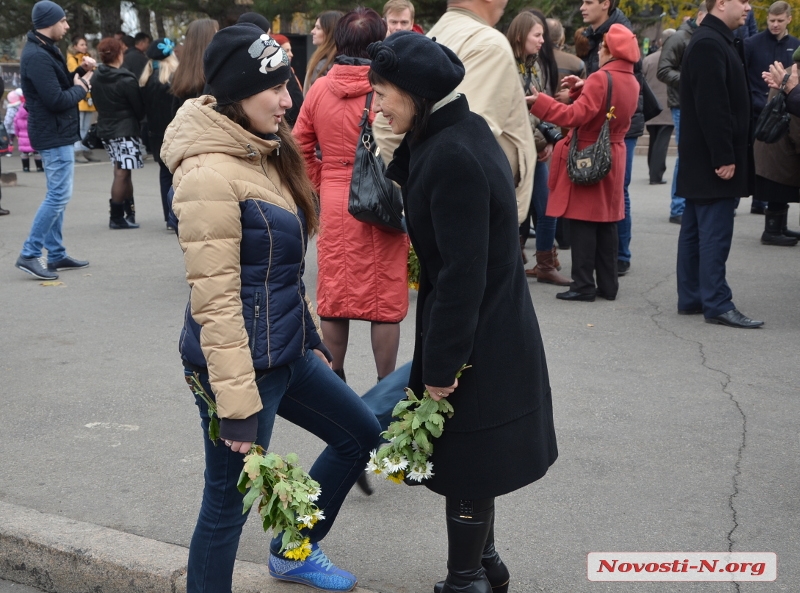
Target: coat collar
x=717 y=24
x=441 y=119
x=618 y=66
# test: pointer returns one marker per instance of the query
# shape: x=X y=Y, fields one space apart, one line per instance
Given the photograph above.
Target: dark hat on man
x=417 y=64
x=242 y=61
x=258 y=20
x=160 y=49
x=46 y=14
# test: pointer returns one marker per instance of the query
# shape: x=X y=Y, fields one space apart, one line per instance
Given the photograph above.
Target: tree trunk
x=162 y=32
x=144 y=19
x=110 y=20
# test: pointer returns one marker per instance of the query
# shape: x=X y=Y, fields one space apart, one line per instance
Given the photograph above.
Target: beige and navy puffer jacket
x=244 y=241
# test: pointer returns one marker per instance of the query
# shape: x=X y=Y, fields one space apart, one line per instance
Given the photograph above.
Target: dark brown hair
x=326 y=51
x=290 y=165
x=109 y=49
x=189 y=78
x=422 y=107
x=356 y=30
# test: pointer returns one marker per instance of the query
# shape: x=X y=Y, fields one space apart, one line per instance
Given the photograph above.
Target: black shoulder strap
x=365 y=118
x=610 y=85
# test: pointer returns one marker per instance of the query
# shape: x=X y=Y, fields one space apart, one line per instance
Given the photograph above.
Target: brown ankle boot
x=546 y=270
x=556 y=263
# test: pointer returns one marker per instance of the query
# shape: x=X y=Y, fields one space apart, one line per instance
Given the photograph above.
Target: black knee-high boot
x=495 y=569
x=468 y=525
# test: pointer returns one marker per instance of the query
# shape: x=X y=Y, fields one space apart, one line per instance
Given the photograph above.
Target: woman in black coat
x=159 y=105
x=115 y=92
x=474 y=306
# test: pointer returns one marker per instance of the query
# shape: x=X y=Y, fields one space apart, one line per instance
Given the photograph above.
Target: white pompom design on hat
x=272 y=56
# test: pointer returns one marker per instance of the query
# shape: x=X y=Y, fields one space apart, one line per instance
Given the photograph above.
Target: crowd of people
x=487 y=137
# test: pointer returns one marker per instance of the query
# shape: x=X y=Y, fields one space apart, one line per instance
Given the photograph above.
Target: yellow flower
x=396 y=477
x=299 y=552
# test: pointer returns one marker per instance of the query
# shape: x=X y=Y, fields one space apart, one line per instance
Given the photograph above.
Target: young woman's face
x=317 y=34
x=80 y=46
x=535 y=40
x=267 y=108
x=395 y=105
x=287 y=47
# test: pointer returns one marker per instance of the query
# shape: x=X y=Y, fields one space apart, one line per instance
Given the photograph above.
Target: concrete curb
x=60 y=555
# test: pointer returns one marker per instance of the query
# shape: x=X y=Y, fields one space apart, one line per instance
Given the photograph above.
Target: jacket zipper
x=256 y=315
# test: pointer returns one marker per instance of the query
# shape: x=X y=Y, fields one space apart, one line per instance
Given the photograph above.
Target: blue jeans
x=382 y=398
x=624 y=225
x=59 y=169
x=703 y=247
x=677 y=204
x=545 y=225
x=307 y=393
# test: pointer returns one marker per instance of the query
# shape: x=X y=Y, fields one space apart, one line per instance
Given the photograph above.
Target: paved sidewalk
x=674 y=435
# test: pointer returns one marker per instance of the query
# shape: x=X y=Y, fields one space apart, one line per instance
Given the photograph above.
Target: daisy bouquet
x=287 y=493
x=410 y=445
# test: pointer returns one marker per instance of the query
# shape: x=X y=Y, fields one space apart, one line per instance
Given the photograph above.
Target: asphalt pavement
x=674 y=435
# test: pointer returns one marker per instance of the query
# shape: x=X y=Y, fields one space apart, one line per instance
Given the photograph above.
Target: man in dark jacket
x=717 y=167
x=135 y=57
x=669 y=72
x=599 y=15
x=761 y=50
x=52 y=98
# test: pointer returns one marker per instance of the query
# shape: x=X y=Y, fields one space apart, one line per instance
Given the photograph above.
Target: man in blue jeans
x=52 y=94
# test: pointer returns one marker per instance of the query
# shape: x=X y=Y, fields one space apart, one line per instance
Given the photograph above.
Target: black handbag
x=91 y=140
x=4 y=140
x=592 y=164
x=773 y=122
x=374 y=199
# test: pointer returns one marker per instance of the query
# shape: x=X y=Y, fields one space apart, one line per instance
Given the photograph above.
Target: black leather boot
x=496 y=571
x=26 y=165
x=117 y=219
x=468 y=525
x=784 y=230
x=773 y=233
x=130 y=210
x=39 y=166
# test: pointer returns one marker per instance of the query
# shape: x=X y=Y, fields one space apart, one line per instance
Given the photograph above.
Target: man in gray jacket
x=669 y=72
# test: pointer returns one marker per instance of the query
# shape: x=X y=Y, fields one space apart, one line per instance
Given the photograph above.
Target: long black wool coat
x=474 y=307
x=716 y=125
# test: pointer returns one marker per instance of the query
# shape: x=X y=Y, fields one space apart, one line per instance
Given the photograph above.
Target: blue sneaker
x=315 y=571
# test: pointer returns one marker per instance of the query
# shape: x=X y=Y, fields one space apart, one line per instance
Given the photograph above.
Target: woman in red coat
x=362 y=269
x=593 y=210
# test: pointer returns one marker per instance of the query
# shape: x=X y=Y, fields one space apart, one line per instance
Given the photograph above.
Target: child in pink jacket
x=24 y=142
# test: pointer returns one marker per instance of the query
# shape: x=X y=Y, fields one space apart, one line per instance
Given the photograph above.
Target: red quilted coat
x=362 y=270
x=605 y=201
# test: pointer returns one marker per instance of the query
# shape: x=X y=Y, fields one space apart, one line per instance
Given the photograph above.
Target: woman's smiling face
x=395 y=105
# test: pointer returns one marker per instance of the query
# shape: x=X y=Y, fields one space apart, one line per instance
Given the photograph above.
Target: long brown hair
x=189 y=78
x=326 y=51
x=290 y=165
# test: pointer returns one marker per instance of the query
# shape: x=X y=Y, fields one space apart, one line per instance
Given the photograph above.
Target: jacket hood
x=199 y=129
x=348 y=81
x=689 y=26
x=109 y=74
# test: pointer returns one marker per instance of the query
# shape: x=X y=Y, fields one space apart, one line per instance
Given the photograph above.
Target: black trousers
x=594 y=250
x=657 y=150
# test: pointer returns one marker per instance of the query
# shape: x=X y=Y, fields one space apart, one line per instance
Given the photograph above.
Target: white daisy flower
x=306 y=520
x=313 y=494
x=395 y=464
x=318 y=515
x=421 y=472
x=373 y=464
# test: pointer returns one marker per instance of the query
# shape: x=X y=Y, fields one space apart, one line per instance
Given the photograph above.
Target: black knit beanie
x=46 y=14
x=242 y=61
x=417 y=64
x=258 y=20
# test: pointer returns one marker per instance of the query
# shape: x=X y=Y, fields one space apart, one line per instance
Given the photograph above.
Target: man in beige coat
x=491 y=85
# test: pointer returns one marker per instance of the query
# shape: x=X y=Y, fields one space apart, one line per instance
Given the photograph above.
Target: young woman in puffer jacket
x=246 y=208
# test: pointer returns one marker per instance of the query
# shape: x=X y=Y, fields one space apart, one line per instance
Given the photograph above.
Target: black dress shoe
x=623 y=267
x=574 y=295
x=734 y=318
x=603 y=295
x=689 y=311
x=676 y=219
x=662 y=182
